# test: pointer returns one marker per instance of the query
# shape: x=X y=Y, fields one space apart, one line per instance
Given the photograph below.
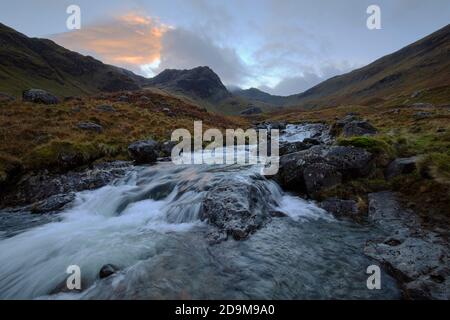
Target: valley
x=86 y=178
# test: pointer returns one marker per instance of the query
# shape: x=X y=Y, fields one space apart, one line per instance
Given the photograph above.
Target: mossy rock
x=371 y=144
x=63 y=155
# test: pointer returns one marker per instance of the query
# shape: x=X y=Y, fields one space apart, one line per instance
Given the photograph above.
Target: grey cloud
x=183 y=49
x=309 y=78
x=293 y=85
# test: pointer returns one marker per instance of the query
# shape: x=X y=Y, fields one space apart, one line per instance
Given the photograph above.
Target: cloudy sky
x=280 y=46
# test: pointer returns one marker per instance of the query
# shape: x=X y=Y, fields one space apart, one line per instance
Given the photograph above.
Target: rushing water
x=147 y=223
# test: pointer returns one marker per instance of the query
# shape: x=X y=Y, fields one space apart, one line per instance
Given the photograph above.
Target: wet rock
x=39 y=96
x=292 y=166
x=33 y=188
x=401 y=166
x=417 y=257
x=252 y=110
x=216 y=236
x=144 y=152
x=320 y=176
x=339 y=207
x=90 y=126
x=386 y=211
x=410 y=259
x=277 y=214
x=237 y=207
x=352 y=162
x=166 y=148
x=280 y=125
x=291 y=147
x=433 y=286
x=54 y=203
x=107 y=270
x=336 y=163
x=358 y=128
x=311 y=141
x=105 y=108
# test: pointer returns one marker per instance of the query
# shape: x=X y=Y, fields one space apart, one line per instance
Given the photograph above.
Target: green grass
x=374 y=145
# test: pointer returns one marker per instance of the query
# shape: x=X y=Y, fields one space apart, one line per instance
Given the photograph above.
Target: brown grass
x=31 y=133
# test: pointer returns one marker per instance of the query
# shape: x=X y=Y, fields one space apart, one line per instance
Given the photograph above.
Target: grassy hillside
x=228 y=106
x=35 y=137
x=257 y=96
x=40 y=63
x=404 y=131
x=411 y=71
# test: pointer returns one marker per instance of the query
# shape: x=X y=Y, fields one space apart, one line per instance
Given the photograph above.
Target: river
x=148 y=224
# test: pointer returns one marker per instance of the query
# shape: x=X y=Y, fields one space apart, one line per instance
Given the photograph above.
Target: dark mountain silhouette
x=40 y=63
x=423 y=67
x=199 y=83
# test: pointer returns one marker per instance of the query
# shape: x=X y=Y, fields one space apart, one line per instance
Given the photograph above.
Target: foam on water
x=148 y=224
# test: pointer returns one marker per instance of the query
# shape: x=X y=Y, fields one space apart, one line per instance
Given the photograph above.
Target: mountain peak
x=200 y=83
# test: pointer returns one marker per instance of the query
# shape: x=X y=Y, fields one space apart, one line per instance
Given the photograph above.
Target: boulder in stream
x=144 y=151
x=320 y=167
x=236 y=207
x=107 y=270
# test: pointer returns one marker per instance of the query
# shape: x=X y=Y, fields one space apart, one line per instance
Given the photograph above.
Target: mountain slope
x=199 y=83
x=203 y=86
x=422 y=65
x=31 y=62
x=256 y=95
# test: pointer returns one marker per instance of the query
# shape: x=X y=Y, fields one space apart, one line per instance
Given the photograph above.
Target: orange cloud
x=129 y=41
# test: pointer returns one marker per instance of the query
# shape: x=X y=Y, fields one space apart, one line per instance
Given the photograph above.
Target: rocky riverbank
x=415 y=254
x=312 y=164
